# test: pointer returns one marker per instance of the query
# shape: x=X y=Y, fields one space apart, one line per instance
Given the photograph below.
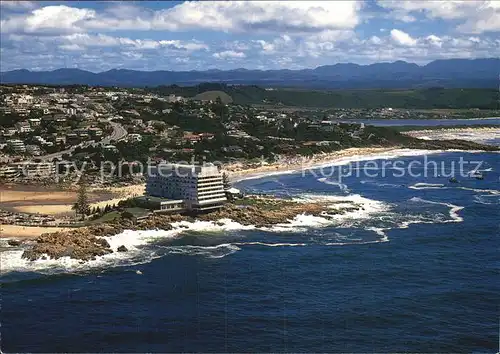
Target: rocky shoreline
x=87 y=243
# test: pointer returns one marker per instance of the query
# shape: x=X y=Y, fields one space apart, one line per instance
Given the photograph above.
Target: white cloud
x=473 y=16
x=267 y=47
x=83 y=51
x=49 y=20
x=234 y=16
x=488 y=22
x=269 y=34
x=434 y=40
x=402 y=38
x=264 y=16
x=375 y=40
x=18 y=5
x=80 y=41
x=408 y=18
x=71 y=47
x=229 y=54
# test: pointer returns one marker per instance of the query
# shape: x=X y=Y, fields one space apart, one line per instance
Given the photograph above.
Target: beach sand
x=58 y=203
x=471 y=134
x=16 y=231
x=239 y=172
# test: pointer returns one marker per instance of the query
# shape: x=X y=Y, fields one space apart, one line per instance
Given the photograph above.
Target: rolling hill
x=449 y=73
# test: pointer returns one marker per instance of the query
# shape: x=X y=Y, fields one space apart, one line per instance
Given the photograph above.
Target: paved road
x=118 y=133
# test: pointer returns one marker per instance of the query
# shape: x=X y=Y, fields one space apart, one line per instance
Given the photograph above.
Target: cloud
x=402 y=38
x=81 y=41
x=264 y=16
x=102 y=52
x=471 y=16
x=229 y=54
x=17 y=5
x=254 y=34
x=229 y=16
x=49 y=20
x=434 y=40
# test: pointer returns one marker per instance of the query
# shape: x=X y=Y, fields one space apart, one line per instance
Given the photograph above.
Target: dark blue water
x=418 y=271
x=427 y=122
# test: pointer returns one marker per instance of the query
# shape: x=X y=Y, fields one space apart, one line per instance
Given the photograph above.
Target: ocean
x=493 y=121
x=417 y=270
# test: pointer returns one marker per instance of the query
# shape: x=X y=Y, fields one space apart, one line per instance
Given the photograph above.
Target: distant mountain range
x=482 y=73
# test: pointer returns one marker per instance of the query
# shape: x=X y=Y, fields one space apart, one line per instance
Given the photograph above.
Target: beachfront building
x=200 y=187
x=27 y=170
x=9 y=173
x=33 y=170
x=16 y=145
x=160 y=204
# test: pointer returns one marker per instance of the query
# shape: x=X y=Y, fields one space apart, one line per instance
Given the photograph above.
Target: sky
x=201 y=35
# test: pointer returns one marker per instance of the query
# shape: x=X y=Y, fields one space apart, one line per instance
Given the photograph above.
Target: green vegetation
x=82 y=205
x=107 y=217
x=213 y=95
x=374 y=98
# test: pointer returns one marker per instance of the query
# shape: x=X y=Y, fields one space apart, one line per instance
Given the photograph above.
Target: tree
x=126 y=215
x=82 y=205
x=225 y=181
x=159 y=126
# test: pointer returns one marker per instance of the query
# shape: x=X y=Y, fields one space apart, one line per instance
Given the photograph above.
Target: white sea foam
x=381 y=232
x=378 y=184
x=217 y=251
x=343 y=187
x=480 y=135
x=307 y=220
x=269 y=244
x=392 y=154
x=11 y=260
x=258 y=175
x=355 y=243
x=427 y=186
x=454 y=209
x=487 y=199
x=490 y=191
x=423 y=186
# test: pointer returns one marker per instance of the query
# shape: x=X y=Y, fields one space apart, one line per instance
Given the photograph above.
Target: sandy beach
x=471 y=134
x=239 y=171
x=58 y=203
x=17 y=231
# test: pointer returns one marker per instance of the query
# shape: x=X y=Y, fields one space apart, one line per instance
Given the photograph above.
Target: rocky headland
x=87 y=243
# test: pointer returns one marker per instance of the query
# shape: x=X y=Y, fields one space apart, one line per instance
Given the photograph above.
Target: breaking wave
x=454 y=209
x=257 y=243
x=427 y=186
x=342 y=186
x=218 y=251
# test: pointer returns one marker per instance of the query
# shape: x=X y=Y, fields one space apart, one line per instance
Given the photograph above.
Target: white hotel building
x=200 y=187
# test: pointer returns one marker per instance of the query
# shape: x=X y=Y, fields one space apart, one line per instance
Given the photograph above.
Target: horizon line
x=263 y=70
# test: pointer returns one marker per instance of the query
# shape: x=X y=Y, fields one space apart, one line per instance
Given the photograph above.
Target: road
x=118 y=133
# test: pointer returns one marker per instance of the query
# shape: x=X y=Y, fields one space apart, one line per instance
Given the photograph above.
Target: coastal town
x=49 y=130
x=79 y=156
x=249 y=176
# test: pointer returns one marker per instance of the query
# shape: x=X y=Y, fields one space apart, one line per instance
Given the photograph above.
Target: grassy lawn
x=138 y=212
x=113 y=215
